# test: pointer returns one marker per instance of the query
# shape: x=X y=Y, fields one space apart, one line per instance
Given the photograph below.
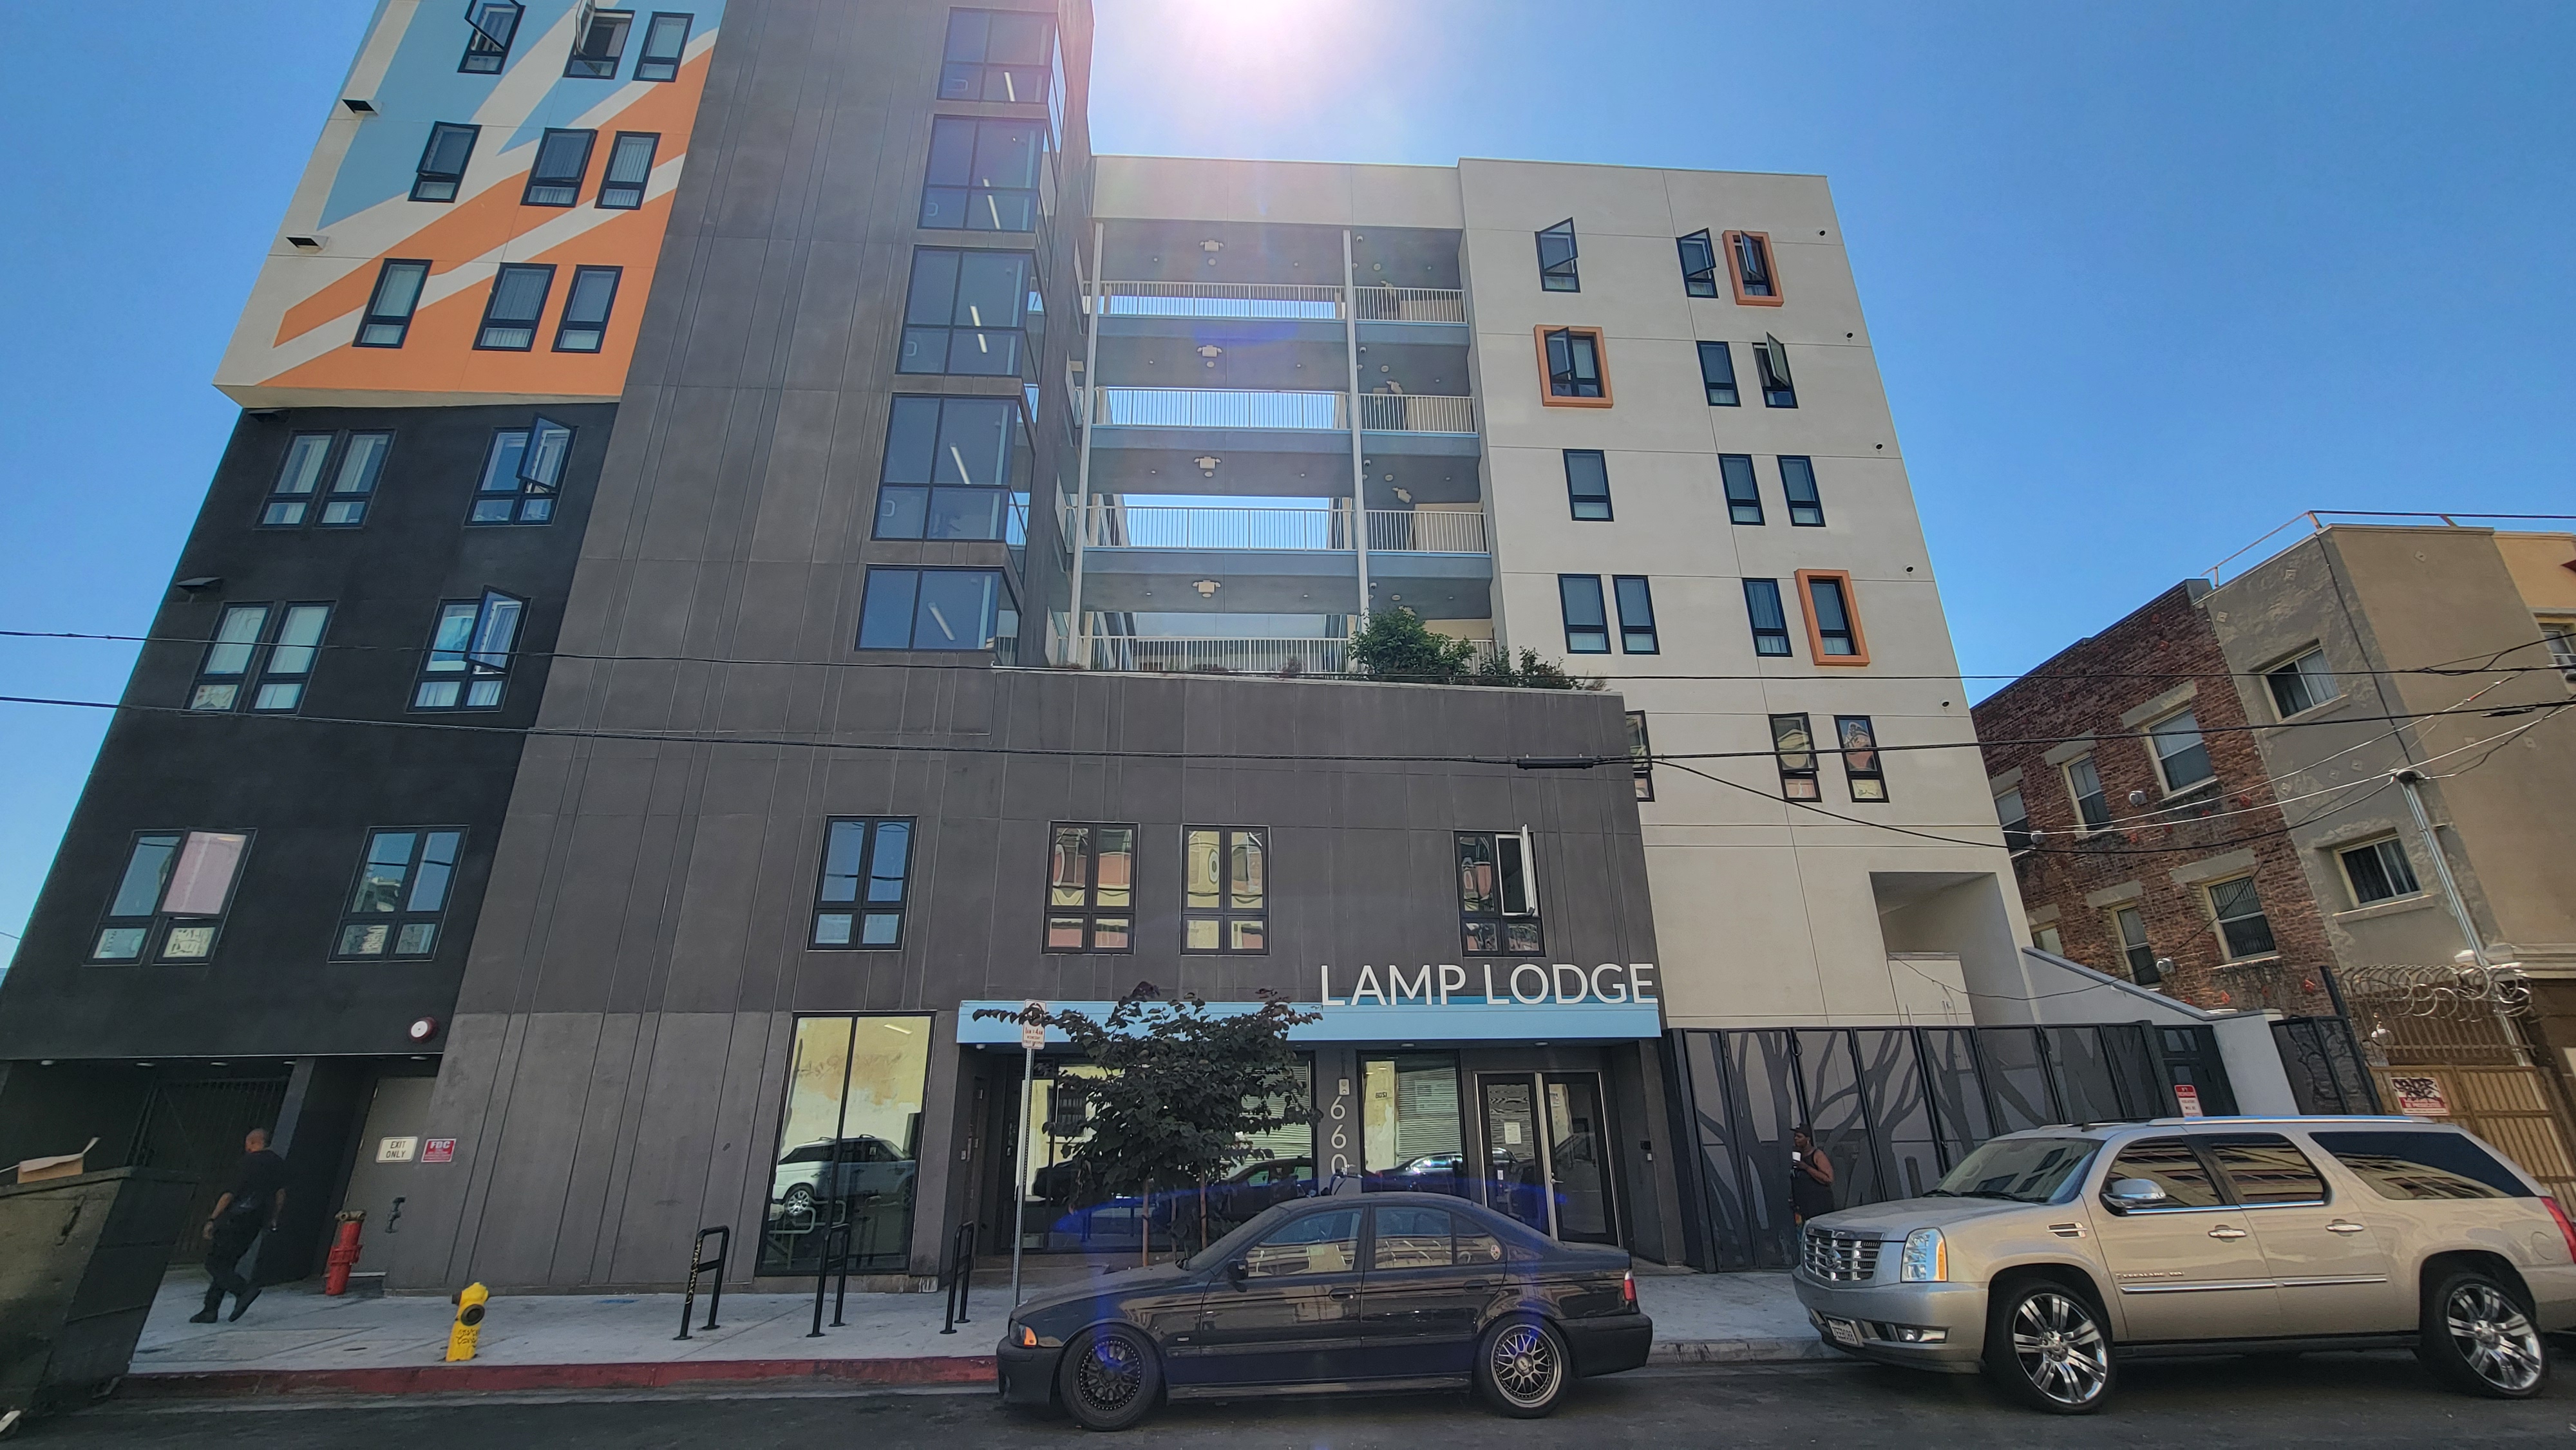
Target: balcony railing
x=1409 y=304
x=1426 y=531
x=1404 y=413
x=1229 y=656
x=1282 y=302
x=1115 y=524
x=1256 y=408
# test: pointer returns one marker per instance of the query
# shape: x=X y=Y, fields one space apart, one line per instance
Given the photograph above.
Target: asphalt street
x=2339 y=1400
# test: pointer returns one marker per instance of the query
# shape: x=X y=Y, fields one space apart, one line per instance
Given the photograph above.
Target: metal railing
x=1219 y=408
x=1219 y=656
x=1426 y=531
x=1409 y=304
x=1407 y=413
x=961 y=1276
x=1114 y=525
x=2317 y=521
x=1285 y=302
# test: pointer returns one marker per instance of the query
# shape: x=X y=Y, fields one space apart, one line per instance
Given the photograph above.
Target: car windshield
x=2019 y=1170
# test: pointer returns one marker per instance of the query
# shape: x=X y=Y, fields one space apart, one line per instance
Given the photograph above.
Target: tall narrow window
x=522 y=473
x=2015 y=818
x=290 y=499
x=1717 y=374
x=228 y=657
x=666 y=39
x=599 y=43
x=469 y=654
x=170 y=904
x=1699 y=264
x=2129 y=925
x=1771 y=360
x=510 y=314
x=934 y=609
x=387 y=320
x=997 y=55
x=1743 y=495
x=1587 y=623
x=2237 y=912
x=1755 y=283
x=1225 y=873
x=491 y=25
x=1833 y=625
x=1770 y=621
x=1798 y=485
x=1587 y=483
x=2084 y=787
x=442 y=162
x=2378 y=871
x=1091 y=889
x=630 y=170
x=951 y=466
x=243 y=651
x=1636 y=614
x=353 y=483
x=2302 y=684
x=983 y=175
x=866 y=863
x=965 y=311
x=1556 y=270
x=1498 y=893
x=401 y=897
x=2182 y=757
x=584 y=327
x=1575 y=375
x=1863 y=769
x=290 y=658
x=1641 y=756
x=554 y=178
x=1793 y=745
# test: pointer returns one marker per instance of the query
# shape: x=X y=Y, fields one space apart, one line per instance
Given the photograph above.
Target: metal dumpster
x=80 y=1259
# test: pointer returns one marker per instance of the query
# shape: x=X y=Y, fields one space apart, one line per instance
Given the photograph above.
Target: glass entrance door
x=1547 y=1150
x=1515 y=1165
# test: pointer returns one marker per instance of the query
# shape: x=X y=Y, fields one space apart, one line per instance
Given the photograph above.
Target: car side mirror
x=2129 y=1193
x=1236 y=1271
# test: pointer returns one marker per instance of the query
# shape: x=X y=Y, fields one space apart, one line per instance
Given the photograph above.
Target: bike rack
x=699 y=1263
x=961 y=1270
x=838 y=1233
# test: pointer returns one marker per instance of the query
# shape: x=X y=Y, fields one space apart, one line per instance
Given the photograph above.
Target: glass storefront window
x=1411 y=1134
x=1063 y=1213
x=848 y=1142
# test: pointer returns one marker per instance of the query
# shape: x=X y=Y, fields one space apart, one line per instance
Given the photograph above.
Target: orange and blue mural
x=428 y=159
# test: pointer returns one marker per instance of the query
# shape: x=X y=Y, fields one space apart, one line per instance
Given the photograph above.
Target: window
x=1091 y=889
x=1409 y=1238
x=1641 y=756
x=299 y=479
x=964 y=313
x=2182 y=758
x=1636 y=614
x=1770 y=622
x=1699 y=265
x=860 y=902
x=1794 y=745
x=1771 y=360
x=1717 y=374
x=1319 y=1243
x=2169 y=1164
x=1571 y=357
x=1743 y=496
x=2015 y=817
x=2416 y=1165
x=510 y=314
x=849 y=1141
x=1498 y=893
x=950 y=467
x=1556 y=271
x=395 y=909
x=1798 y=484
x=2084 y=785
x=469 y=653
x=171 y=901
x=630 y=170
x=2046 y=939
x=521 y=474
x=2265 y=1168
x=2129 y=932
x=1587 y=623
x=1225 y=873
x=983 y=175
x=1587 y=483
x=1755 y=283
x=442 y=162
x=666 y=39
x=2378 y=871
x=942 y=609
x=2560 y=636
x=599 y=43
x=554 y=178
x=997 y=55
x=2302 y=684
x=235 y=656
x=584 y=327
x=2238 y=913
x=1863 y=770
x=387 y=319
x=1833 y=628
x=493 y=23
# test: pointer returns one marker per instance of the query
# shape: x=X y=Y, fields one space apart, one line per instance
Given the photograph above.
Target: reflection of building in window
x=402 y=890
x=1411 y=1134
x=860 y=902
x=468 y=664
x=170 y=903
x=522 y=473
x=1497 y=893
x=848 y=1138
x=1225 y=873
x=1793 y=745
x=1091 y=897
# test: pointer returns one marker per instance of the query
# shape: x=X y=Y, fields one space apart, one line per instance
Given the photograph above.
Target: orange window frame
x=1600 y=353
x=1735 y=273
x=1851 y=611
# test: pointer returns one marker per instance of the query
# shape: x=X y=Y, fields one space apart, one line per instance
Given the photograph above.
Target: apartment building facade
x=808 y=554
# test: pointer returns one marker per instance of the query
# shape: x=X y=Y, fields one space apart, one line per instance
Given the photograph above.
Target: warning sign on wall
x=2189 y=1097
x=438 y=1150
x=2420 y=1096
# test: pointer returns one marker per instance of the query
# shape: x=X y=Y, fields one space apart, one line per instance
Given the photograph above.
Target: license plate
x=1844 y=1332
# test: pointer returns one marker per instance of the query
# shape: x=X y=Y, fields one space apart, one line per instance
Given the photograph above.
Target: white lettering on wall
x=1563 y=984
x=1397 y=985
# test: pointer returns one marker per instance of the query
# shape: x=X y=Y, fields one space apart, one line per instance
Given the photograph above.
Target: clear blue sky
x=2145 y=280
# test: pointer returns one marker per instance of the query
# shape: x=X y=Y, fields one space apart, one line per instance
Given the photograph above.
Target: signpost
x=1032 y=1037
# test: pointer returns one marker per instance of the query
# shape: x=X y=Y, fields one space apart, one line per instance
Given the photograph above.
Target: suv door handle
x=2224 y=1231
x=1343 y=1293
x=2340 y=1227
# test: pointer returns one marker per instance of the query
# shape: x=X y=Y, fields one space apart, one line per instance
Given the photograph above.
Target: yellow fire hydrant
x=469 y=1322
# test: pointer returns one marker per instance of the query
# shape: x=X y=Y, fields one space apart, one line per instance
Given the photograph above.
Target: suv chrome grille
x=1841 y=1258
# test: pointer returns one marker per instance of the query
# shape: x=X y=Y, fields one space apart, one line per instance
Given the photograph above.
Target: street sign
x=1033 y=1034
x=2189 y=1097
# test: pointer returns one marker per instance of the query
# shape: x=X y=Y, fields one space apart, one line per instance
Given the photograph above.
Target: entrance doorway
x=1547 y=1149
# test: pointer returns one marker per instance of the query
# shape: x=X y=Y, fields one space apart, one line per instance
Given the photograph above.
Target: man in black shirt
x=1811 y=1178
x=257 y=1196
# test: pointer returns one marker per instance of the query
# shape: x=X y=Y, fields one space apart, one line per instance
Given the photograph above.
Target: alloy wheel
x=1111 y=1374
x=2494 y=1338
x=2061 y=1349
x=1526 y=1365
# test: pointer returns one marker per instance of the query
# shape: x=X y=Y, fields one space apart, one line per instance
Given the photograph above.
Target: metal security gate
x=197 y=1128
x=2326 y=1069
x=1894 y=1109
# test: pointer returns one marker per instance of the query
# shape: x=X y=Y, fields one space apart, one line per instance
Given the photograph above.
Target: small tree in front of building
x=1394 y=644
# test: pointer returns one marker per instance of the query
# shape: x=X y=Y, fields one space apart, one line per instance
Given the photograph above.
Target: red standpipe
x=344 y=1253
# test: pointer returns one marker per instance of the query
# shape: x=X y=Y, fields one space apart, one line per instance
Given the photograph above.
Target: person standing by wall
x=250 y=1206
x=1811 y=1178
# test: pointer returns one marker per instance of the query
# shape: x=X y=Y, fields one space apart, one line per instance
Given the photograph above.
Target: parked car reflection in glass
x=865 y=1182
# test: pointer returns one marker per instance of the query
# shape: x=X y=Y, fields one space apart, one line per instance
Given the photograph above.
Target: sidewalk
x=296 y=1340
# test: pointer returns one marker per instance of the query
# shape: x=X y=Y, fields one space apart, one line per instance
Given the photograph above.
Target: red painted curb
x=451 y=1378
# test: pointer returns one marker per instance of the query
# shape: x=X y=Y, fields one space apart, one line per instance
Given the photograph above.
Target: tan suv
x=2048 y=1256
